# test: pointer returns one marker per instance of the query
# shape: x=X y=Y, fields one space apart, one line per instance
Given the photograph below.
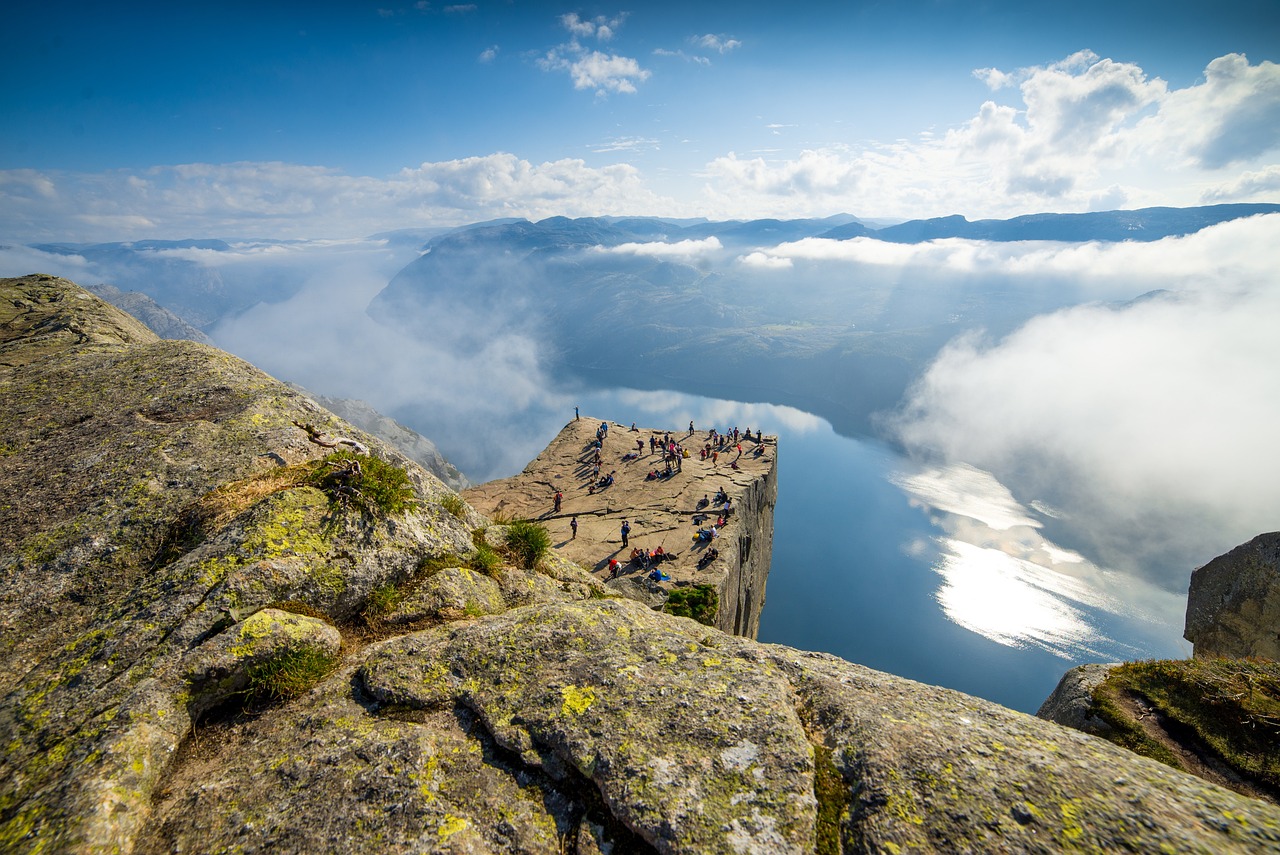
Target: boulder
x=1233 y=607
x=1071 y=703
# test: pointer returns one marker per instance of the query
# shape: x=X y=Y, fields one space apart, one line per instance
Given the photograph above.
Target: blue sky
x=333 y=119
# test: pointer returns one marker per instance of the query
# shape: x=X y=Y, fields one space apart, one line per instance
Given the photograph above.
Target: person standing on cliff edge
x=575 y=414
x=626 y=532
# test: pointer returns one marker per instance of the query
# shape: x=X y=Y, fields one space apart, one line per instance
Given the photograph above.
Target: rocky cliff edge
x=227 y=624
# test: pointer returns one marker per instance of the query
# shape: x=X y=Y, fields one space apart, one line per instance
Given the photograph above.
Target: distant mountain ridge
x=1143 y=224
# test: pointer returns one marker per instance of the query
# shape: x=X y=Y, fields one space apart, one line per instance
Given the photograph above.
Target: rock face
x=158 y=319
x=1071 y=703
x=175 y=551
x=660 y=512
x=1233 y=607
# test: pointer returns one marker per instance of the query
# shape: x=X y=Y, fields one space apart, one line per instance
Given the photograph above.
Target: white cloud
x=687 y=249
x=600 y=27
x=1260 y=186
x=816 y=173
x=719 y=43
x=604 y=73
x=765 y=261
x=679 y=54
x=285 y=200
x=1232 y=117
x=625 y=144
x=1149 y=427
x=489 y=54
x=1079 y=134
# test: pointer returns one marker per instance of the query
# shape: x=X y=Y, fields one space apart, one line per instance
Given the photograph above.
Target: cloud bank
x=1148 y=425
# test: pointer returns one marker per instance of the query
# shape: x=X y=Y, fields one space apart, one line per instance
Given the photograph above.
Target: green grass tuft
x=528 y=542
x=454 y=504
x=382 y=601
x=485 y=560
x=701 y=602
x=290 y=674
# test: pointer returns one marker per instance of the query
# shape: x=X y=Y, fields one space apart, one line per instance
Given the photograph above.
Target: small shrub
x=485 y=560
x=454 y=504
x=528 y=542
x=382 y=601
x=370 y=484
x=701 y=602
x=290 y=674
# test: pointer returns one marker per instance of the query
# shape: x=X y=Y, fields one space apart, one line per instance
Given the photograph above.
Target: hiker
x=573 y=525
x=558 y=499
x=614 y=567
x=690 y=427
x=575 y=414
x=626 y=531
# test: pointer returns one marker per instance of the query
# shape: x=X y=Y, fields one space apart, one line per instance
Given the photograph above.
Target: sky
x=289 y=120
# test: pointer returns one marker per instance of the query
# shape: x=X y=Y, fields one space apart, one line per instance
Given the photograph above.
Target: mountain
x=158 y=319
x=1145 y=224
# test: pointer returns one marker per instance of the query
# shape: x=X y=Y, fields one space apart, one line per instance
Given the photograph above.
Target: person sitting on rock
x=703 y=502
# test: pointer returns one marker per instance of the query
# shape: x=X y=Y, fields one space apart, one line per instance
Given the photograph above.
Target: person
x=573 y=526
x=614 y=566
x=626 y=530
x=575 y=414
x=690 y=427
x=558 y=499
x=703 y=502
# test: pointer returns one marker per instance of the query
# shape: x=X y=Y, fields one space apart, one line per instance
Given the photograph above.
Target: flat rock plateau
x=661 y=511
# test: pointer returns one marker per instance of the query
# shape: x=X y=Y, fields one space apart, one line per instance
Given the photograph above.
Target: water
x=938 y=575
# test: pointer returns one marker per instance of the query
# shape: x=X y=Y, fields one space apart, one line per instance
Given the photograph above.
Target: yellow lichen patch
x=450 y=826
x=667 y=658
x=576 y=700
x=711 y=662
x=1071 y=828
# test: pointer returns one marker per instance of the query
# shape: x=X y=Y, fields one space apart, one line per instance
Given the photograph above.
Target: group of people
x=673 y=453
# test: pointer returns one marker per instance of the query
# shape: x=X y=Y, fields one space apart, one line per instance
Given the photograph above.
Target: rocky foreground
x=228 y=624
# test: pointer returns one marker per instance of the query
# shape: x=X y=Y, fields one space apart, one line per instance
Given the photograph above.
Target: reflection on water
x=939 y=575
x=1001 y=578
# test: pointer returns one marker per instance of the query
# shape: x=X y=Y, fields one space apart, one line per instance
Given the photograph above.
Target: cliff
x=231 y=622
x=660 y=512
